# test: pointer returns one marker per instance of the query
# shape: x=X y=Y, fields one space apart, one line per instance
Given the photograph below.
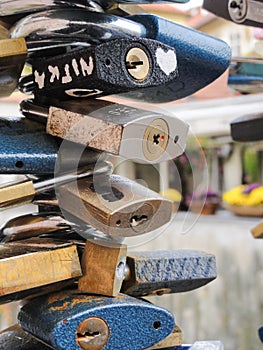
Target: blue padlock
x=70 y=320
x=260 y=334
x=246 y=75
x=246 y=84
x=201 y=58
x=25 y=148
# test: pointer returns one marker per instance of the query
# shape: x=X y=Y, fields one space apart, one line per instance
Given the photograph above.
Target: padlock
x=15 y=338
x=260 y=333
x=70 y=320
x=112 y=67
x=201 y=58
x=161 y=272
x=199 y=345
x=3 y=30
x=24 y=192
x=247 y=128
x=106 y=272
x=53 y=31
x=12 y=59
x=173 y=340
x=16 y=7
x=257 y=232
x=32 y=225
x=247 y=12
x=140 y=135
x=49 y=224
x=116 y=206
x=246 y=84
x=245 y=75
x=27 y=149
x=103 y=266
x=249 y=66
x=36 y=266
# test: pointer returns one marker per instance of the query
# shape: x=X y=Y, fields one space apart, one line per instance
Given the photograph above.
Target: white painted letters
x=75 y=67
x=86 y=67
x=71 y=69
x=54 y=73
x=67 y=78
x=40 y=79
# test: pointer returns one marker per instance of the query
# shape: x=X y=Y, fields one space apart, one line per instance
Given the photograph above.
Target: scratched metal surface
x=178 y=271
x=131 y=321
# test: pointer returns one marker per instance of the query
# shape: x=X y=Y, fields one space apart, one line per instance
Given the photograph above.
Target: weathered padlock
x=27 y=149
x=136 y=134
x=28 y=266
x=115 y=205
x=70 y=320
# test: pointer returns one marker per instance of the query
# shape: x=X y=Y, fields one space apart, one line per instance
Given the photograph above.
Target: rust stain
x=64 y=306
x=57 y=297
x=87 y=299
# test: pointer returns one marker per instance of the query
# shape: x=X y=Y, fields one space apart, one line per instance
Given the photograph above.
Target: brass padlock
x=103 y=265
x=12 y=59
x=115 y=205
x=27 y=266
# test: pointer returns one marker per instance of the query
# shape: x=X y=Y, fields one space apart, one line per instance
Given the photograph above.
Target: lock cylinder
x=155 y=139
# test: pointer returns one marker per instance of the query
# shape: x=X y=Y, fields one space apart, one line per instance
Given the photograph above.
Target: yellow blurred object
x=237 y=196
x=172 y=194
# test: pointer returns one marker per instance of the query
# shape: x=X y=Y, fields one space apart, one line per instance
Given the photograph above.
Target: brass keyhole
x=92 y=334
x=137 y=64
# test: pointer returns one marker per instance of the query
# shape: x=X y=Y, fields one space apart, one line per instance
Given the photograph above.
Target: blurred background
x=230 y=308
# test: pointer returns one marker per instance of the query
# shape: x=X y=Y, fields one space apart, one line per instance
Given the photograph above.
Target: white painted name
x=66 y=74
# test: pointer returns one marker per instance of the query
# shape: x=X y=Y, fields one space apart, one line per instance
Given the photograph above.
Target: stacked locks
x=68 y=261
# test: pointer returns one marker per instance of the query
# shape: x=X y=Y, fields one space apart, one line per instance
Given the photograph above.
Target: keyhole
x=156 y=139
x=92 y=334
x=137 y=64
x=138 y=220
x=235 y=5
x=134 y=63
x=88 y=335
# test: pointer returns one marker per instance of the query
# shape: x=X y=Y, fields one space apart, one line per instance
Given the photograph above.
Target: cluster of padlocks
x=81 y=288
